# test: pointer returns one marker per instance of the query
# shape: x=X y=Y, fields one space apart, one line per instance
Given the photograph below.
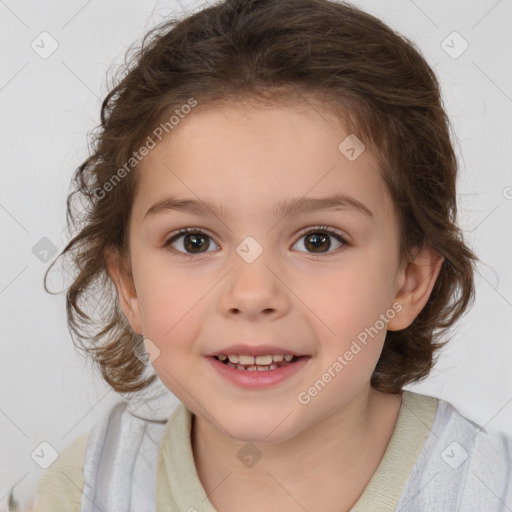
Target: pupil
x=318 y=240
x=194 y=241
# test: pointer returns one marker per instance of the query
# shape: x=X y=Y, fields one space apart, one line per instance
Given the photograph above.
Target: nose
x=254 y=290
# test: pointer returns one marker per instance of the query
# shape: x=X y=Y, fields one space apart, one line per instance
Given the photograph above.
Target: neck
x=340 y=454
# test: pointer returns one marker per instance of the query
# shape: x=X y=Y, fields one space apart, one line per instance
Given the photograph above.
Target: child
x=271 y=216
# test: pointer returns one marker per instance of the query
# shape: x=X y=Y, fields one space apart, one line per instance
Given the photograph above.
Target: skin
x=247 y=157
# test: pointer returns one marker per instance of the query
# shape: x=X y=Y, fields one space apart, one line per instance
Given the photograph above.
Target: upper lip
x=253 y=350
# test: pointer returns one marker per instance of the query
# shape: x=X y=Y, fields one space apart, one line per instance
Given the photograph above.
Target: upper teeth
x=264 y=360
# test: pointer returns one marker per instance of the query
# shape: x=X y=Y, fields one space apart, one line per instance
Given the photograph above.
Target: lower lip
x=258 y=379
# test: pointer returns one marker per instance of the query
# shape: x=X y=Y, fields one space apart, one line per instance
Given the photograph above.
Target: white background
x=47 y=391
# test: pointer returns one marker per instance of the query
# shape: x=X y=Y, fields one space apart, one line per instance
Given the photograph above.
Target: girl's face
x=255 y=275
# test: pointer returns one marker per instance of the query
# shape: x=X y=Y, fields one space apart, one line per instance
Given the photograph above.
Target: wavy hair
x=273 y=51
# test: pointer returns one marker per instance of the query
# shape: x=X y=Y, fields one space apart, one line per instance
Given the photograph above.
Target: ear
x=121 y=275
x=414 y=285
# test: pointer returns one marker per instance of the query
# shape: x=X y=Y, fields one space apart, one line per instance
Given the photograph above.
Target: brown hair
x=275 y=50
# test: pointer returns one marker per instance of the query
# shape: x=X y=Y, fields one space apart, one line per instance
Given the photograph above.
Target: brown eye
x=318 y=240
x=193 y=242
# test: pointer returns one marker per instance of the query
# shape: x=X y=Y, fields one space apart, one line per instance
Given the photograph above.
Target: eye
x=194 y=241
x=318 y=240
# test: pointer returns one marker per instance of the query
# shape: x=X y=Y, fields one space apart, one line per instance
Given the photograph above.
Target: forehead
x=248 y=158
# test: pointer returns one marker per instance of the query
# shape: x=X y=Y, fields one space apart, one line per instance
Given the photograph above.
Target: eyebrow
x=281 y=208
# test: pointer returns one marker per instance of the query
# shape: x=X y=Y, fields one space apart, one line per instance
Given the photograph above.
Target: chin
x=259 y=428
x=259 y=436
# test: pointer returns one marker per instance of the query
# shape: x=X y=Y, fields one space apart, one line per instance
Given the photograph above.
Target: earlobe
x=126 y=293
x=416 y=282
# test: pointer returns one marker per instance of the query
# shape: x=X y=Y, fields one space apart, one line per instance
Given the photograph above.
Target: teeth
x=265 y=360
x=258 y=363
x=260 y=360
x=265 y=368
x=256 y=368
x=246 y=359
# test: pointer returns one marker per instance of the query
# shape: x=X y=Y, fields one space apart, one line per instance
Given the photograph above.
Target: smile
x=258 y=372
x=258 y=363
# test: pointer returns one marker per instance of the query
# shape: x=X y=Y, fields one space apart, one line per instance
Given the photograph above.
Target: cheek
x=172 y=308
x=163 y=311
x=169 y=314
x=163 y=295
x=353 y=297
x=348 y=310
x=174 y=327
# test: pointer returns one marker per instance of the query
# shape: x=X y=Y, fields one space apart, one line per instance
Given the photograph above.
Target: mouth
x=262 y=371
x=259 y=363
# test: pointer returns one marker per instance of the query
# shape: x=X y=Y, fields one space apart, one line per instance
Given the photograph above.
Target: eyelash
x=197 y=231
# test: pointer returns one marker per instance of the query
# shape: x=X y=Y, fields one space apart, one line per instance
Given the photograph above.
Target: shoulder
x=462 y=466
x=484 y=456
x=468 y=441
x=122 y=446
x=60 y=487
